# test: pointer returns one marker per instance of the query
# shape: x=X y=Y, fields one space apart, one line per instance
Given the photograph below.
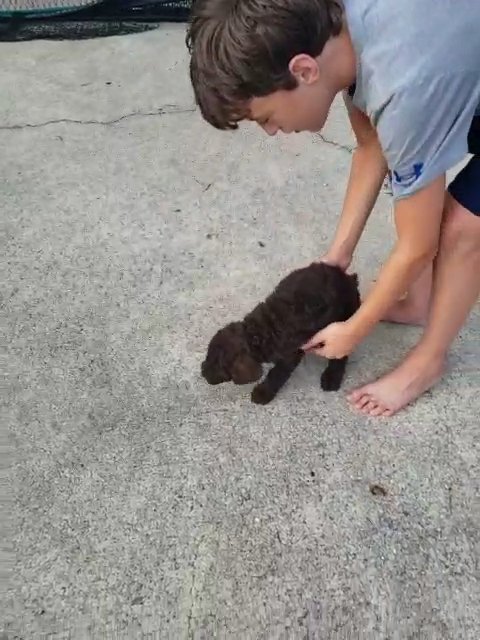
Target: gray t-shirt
x=418 y=80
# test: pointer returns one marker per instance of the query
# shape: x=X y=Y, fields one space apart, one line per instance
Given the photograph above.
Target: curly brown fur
x=304 y=302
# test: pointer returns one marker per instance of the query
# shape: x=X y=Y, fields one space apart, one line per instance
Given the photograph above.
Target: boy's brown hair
x=241 y=49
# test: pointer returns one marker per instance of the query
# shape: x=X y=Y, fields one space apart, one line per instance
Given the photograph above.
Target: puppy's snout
x=210 y=376
x=205 y=371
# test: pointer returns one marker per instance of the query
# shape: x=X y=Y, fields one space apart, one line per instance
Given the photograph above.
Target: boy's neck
x=338 y=62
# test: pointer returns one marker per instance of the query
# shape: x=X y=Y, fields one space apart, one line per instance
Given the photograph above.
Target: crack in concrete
x=161 y=111
x=332 y=143
x=170 y=109
x=193 y=565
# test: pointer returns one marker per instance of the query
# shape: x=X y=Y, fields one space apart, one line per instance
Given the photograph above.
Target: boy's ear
x=304 y=68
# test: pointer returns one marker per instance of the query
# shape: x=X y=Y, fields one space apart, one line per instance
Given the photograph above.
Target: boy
x=410 y=75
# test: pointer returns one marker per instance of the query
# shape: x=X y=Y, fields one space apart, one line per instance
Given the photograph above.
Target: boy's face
x=304 y=108
x=289 y=112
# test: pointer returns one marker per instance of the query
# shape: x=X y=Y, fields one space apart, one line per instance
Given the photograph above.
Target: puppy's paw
x=331 y=379
x=261 y=394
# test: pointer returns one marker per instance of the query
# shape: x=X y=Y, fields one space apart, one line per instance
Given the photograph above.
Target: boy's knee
x=461 y=228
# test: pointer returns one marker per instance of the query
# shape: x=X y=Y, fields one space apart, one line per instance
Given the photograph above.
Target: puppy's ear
x=245 y=370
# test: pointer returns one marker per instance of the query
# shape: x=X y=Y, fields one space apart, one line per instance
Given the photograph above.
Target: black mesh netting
x=79 y=19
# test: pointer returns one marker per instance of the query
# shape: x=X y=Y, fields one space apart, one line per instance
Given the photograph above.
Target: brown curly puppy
x=304 y=302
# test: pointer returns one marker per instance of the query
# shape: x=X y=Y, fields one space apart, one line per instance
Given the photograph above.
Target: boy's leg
x=456 y=287
x=413 y=308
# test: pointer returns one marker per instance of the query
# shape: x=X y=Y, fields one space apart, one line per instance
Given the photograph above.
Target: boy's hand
x=336 y=259
x=334 y=342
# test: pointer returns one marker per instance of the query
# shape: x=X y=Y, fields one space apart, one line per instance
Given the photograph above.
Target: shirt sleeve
x=423 y=130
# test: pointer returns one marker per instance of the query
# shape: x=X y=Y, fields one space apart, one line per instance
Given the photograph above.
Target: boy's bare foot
x=415 y=375
x=406 y=312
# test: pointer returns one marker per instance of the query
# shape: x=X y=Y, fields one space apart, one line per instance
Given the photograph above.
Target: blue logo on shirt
x=408 y=178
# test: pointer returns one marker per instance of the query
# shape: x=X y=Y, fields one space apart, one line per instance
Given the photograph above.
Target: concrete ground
x=143 y=500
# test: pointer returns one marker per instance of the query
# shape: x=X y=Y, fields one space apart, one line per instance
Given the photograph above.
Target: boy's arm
x=368 y=170
x=418 y=220
x=423 y=134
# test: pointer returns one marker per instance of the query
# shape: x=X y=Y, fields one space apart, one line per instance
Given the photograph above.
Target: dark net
x=80 y=19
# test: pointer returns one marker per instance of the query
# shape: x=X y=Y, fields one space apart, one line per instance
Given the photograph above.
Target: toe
x=355 y=395
x=370 y=406
x=361 y=403
x=378 y=411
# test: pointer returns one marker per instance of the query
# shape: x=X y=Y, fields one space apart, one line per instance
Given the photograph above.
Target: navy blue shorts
x=465 y=187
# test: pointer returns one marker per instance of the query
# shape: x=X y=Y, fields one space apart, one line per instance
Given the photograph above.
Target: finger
x=314 y=343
